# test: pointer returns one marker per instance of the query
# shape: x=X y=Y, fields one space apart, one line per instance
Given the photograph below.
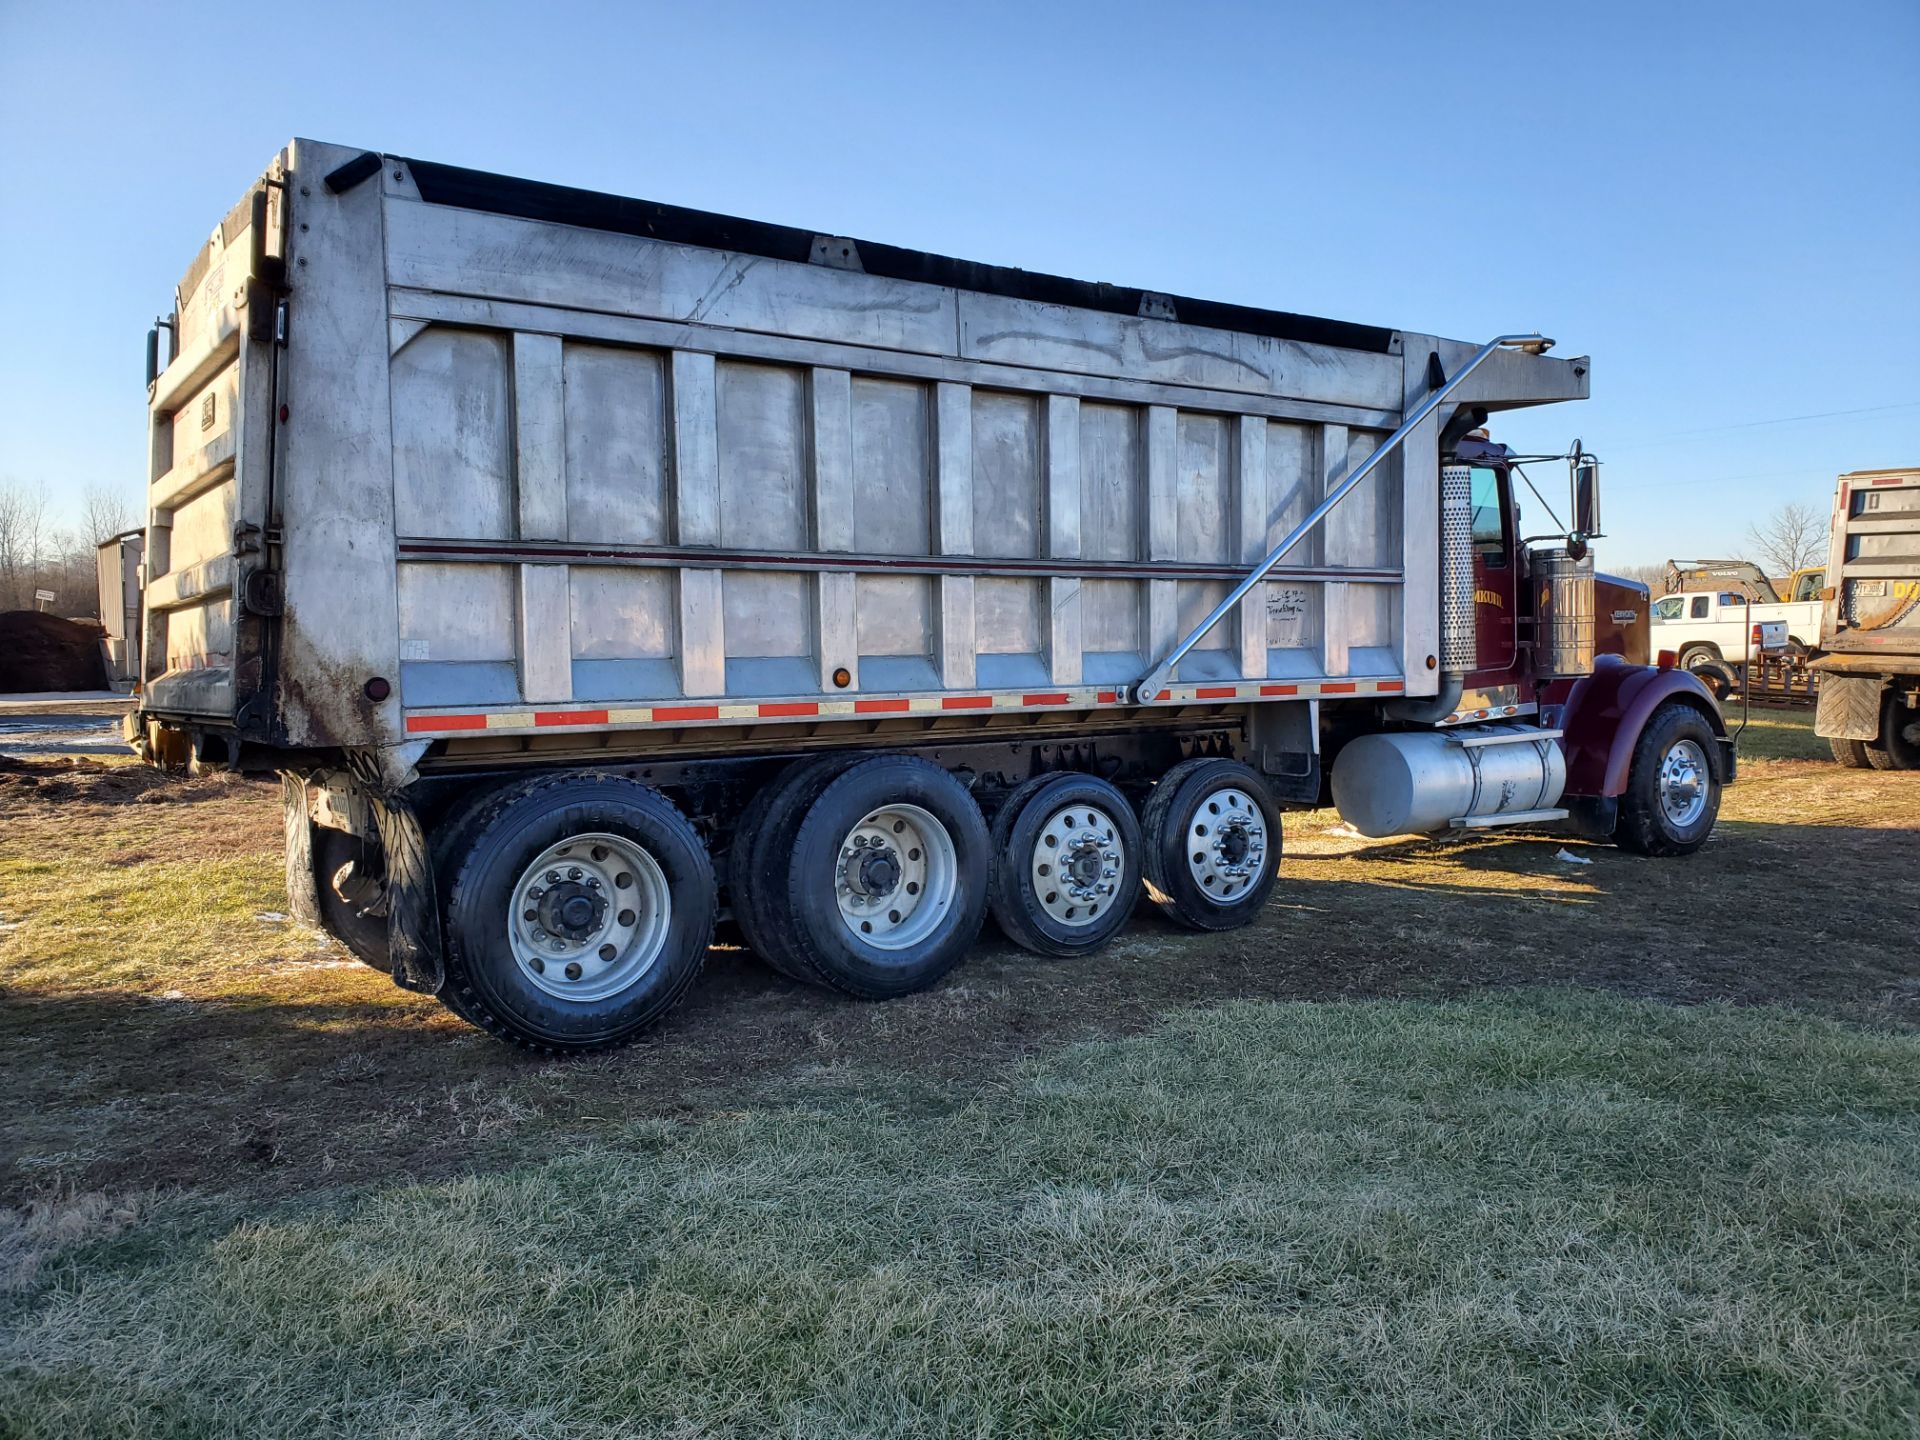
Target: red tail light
x=1666 y=660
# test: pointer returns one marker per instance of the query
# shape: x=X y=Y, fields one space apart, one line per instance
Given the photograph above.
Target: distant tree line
x=36 y=554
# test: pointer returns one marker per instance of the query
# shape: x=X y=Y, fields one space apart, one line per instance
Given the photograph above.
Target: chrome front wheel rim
x=1077 y=861
x=1685 y=781
x=1226 y=845
x=895 y=877
x=589 y=917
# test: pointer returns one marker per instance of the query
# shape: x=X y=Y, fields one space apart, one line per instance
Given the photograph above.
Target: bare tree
x=1654 y=577
x=1790 y=539
x=104 y=513
x=23 y=542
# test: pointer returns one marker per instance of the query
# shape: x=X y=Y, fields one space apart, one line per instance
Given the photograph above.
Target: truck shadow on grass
x=319 y=1072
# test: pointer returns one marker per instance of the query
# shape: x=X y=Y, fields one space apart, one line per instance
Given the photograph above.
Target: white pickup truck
x=1703 y=627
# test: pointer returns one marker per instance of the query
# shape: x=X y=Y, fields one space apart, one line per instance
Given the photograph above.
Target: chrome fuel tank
x=1413 y=783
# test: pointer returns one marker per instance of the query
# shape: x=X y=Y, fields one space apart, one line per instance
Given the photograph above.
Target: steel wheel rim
x=896 y=877
x=589 y=917
x=1684 y=782
x=1077 y=861
x=1226 y=845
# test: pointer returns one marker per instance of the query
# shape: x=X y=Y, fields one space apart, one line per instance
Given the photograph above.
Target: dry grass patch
x=1544 y=1214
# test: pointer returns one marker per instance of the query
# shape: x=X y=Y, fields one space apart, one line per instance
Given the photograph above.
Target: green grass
x=1777 y=734
x=1550 y=1213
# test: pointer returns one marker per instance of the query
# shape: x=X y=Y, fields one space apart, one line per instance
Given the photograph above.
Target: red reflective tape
x=880 y=707
x=686 y=712
x=570 y=717
x=1055 y=698
x=1108 y=697
x=418 y=723
x=1214 y=692
x=1279 y=689
x=967 y=702
x=792 y=707
x=1339 y=687
x=1386 y=687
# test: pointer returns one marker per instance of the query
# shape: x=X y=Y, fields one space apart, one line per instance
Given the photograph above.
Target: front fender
x=1604 y=713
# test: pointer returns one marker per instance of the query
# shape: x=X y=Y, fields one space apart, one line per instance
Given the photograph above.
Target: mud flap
x=1849 y=707
x=413 y=911
x=413 y=903
x=303 y=895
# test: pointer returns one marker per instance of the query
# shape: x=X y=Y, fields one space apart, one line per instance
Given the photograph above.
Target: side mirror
x=1586 y=498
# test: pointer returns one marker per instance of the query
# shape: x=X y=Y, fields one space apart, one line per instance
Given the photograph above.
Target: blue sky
x=1719 y=203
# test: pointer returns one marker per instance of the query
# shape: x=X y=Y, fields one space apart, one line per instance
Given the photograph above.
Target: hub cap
x=895 y=877
x=1684 y=782
x=1226 y=845
x=1076 y=865
x=589 y=917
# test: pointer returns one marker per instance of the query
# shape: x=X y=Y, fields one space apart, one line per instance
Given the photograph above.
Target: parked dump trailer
x=117 y=565
x=591 y=568
x=1869 y=707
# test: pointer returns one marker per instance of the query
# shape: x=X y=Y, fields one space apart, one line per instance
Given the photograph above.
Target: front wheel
x=1673 y=786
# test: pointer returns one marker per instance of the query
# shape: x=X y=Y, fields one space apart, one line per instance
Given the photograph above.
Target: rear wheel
x=1673 y=785
x=1211 y=844
x=1066 y=864
x=350 y=876
x=756 y=866
x=578 y=914
x=1893 y=750
x=875 y=879
x=1850 y=753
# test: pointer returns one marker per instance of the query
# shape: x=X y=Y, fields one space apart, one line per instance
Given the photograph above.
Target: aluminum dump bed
x=1872 y=612
x=447 y=456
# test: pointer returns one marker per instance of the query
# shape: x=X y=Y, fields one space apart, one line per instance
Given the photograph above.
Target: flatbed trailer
x=590 y=568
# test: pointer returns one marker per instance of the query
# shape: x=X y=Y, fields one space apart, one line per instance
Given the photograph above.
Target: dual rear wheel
x=579 y=908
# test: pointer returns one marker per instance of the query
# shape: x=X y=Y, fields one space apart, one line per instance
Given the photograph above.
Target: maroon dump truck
x=591 y=568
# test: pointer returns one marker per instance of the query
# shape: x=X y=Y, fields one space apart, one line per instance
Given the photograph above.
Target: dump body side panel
x=1872 y=600
x=536 y=479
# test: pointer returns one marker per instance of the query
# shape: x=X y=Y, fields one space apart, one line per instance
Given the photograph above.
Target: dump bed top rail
x=1155 y=681
x=594 y=210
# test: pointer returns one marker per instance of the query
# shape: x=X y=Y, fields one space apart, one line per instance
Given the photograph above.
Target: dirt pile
x=44 y=652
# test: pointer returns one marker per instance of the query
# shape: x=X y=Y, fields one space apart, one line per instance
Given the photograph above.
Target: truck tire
x=1850 y=753
x=1695 y=657
x=1673 y=785
x=351 y=896
x=1211 y=846
x=877 y=885
x=1892 y=750
x=621 y=895
x=756 y=872
x=1066 y=864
